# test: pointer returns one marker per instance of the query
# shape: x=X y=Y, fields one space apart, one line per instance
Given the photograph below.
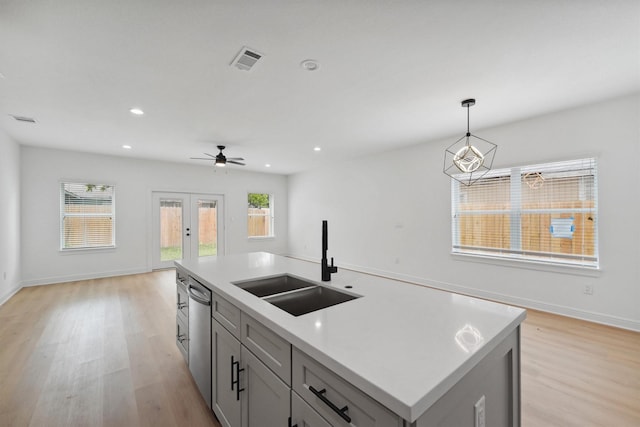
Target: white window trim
x=579 y=270
x=271 y=216
x=88 y=249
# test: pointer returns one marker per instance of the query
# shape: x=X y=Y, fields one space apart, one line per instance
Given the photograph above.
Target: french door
x=186 y=226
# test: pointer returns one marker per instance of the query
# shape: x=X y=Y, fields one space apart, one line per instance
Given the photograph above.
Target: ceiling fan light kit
x=466 y=162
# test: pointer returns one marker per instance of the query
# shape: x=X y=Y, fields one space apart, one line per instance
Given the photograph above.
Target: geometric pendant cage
x=470 y=157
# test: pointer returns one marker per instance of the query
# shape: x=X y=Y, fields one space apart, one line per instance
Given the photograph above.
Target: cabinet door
x=182 y=338
x=225 y=353
x=303 y=415
x=266 y=399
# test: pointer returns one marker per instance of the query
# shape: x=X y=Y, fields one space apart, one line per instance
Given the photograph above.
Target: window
x=87 y=216
x=545 y=213
x=260 y=219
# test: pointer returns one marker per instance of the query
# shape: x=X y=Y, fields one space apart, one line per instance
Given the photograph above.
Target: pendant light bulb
x=468 y=159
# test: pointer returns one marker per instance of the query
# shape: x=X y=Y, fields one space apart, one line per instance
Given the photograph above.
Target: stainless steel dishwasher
x=200 y=337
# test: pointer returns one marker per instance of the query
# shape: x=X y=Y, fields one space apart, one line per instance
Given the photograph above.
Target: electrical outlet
x=479 y=413
x=588 y=289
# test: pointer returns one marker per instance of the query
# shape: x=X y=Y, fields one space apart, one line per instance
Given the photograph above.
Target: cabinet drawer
x=181 y=277
x=227 y=314
x=303 y=415
x=182 y=302
x=271 y=349
x=182 y=338
x=331 y=390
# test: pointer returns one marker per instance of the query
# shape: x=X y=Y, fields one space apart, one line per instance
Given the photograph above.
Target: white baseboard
x=84 y=276
x=606 y=319
x=8 y=295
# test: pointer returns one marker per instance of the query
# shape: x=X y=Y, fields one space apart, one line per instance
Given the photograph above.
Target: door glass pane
x=207 y=228
x=170 y=229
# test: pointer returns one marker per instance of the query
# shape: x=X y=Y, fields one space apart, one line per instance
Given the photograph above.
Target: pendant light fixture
x=467 y=162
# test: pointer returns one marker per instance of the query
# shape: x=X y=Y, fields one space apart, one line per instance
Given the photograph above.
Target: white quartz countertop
x=405 y=345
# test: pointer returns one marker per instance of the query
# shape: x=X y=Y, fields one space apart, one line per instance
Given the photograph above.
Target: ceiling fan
x=221 y=159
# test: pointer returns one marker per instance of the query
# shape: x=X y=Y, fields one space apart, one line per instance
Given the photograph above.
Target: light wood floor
x=577 y=373
x=102 y=353
x=96 y=353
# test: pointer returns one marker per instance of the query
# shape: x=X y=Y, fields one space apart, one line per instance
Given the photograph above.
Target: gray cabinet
x=245 y=391
x=495 y=380
x=259 y=379
x=182 y=314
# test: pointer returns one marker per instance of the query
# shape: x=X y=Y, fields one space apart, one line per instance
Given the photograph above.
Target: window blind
x=87 y=216
x=545 y=212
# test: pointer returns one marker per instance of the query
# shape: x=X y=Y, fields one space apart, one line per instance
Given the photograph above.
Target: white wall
x=390 y=214
x=9 y=217
x=43 y=169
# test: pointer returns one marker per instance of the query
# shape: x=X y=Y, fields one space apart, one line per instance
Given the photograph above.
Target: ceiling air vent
x=23 y=119
x=246 y=59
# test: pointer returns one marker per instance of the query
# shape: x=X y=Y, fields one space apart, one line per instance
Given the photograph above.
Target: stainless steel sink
x=273 y=285
x=305 y=301
x=293 y=295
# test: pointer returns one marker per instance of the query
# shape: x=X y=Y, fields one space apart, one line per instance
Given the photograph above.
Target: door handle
x=235 y=365
x=340 y=411
x=198 y=296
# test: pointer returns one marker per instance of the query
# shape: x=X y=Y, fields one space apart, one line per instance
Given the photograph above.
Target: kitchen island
x=428 y=356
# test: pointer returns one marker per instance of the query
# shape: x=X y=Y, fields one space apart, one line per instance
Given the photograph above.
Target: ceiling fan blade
x=235 y=158
x=210 y=155
x=200 y=158
x=235 y=163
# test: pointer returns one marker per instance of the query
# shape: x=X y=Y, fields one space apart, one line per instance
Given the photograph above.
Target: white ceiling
x=392 y=73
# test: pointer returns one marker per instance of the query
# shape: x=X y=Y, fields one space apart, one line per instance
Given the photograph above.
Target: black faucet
x=326 y=268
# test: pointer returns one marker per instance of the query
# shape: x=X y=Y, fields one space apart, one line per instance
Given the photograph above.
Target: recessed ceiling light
x=126 y=147
x=267 y=165
x=317 y=149
x=136 y=111
x=310 y=65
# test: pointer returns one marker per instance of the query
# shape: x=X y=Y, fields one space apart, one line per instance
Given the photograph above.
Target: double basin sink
x=294 y=295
